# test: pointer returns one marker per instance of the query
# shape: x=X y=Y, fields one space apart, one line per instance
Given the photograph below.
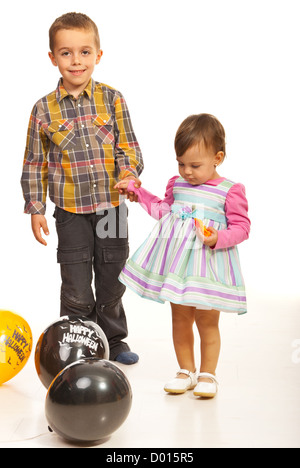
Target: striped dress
x=173 y=264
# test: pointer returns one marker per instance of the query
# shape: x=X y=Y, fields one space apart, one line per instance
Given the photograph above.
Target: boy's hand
x=39 y=222
x=123 y=185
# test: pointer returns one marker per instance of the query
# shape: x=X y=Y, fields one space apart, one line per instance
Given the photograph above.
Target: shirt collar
x=61 y=92
x=215 y=182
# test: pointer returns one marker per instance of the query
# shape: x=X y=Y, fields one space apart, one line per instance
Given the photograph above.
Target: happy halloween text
x=80 y=334
x=17 y=343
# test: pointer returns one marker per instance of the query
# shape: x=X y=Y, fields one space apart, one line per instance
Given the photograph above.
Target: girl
x=191 y=258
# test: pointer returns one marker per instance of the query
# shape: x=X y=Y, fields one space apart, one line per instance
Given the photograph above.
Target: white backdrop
x=170 y=58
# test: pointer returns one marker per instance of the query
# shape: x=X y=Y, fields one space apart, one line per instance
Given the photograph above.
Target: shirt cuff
x=35 y=208
x=131 y=187
x=130 y=171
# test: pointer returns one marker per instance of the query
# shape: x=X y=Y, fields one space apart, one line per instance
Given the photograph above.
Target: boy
x=80 y=141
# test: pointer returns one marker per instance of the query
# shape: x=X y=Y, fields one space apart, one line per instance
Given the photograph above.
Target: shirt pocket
x=104 y=128
x=62 y=133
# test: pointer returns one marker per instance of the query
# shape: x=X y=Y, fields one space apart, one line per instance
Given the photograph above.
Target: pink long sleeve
x=238 y=223
x=155 y=206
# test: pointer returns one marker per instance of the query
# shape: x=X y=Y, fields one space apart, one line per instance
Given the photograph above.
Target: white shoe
x=182 y=385
x=206 y=389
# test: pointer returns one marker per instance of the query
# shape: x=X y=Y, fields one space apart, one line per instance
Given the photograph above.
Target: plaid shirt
x=79 y=149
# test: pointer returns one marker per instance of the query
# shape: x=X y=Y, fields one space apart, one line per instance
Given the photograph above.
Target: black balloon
x=88 y=401
x=66 y=341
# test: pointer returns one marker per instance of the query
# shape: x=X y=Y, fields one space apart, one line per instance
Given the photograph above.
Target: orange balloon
x=15 y=344
x=199 y=225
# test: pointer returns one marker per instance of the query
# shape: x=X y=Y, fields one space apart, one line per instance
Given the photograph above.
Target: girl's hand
x=122 y=187
x=212 y=240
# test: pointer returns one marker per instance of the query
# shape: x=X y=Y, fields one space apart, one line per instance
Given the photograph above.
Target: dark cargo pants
x=94 y=245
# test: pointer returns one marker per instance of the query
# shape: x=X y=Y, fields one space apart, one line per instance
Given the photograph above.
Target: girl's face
x=198 y=164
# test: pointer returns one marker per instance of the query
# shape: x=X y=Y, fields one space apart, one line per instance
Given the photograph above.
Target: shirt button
x=87 y=145
x=92 y=166
x=95 y=185
x=82 y=126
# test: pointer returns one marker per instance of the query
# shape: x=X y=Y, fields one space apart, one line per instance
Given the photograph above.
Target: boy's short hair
x=73 y=21
x=199 y=127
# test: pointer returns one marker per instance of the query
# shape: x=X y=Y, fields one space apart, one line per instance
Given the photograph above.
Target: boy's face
x=75 y=54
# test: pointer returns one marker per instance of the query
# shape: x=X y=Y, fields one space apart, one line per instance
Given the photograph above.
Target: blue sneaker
x=127 y=357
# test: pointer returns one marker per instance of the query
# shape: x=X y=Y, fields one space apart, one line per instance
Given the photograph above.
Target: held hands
x=39 y=222
x=122 y=187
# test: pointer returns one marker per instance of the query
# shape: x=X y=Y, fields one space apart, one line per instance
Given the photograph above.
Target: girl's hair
x=73 y=21
x=199 y=127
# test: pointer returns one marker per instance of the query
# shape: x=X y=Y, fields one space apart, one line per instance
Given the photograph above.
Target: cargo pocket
x=114 y=259
x=62 y=134
x=76 y=274
x=71 y=256
x=104 y=133
x=116 y=254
